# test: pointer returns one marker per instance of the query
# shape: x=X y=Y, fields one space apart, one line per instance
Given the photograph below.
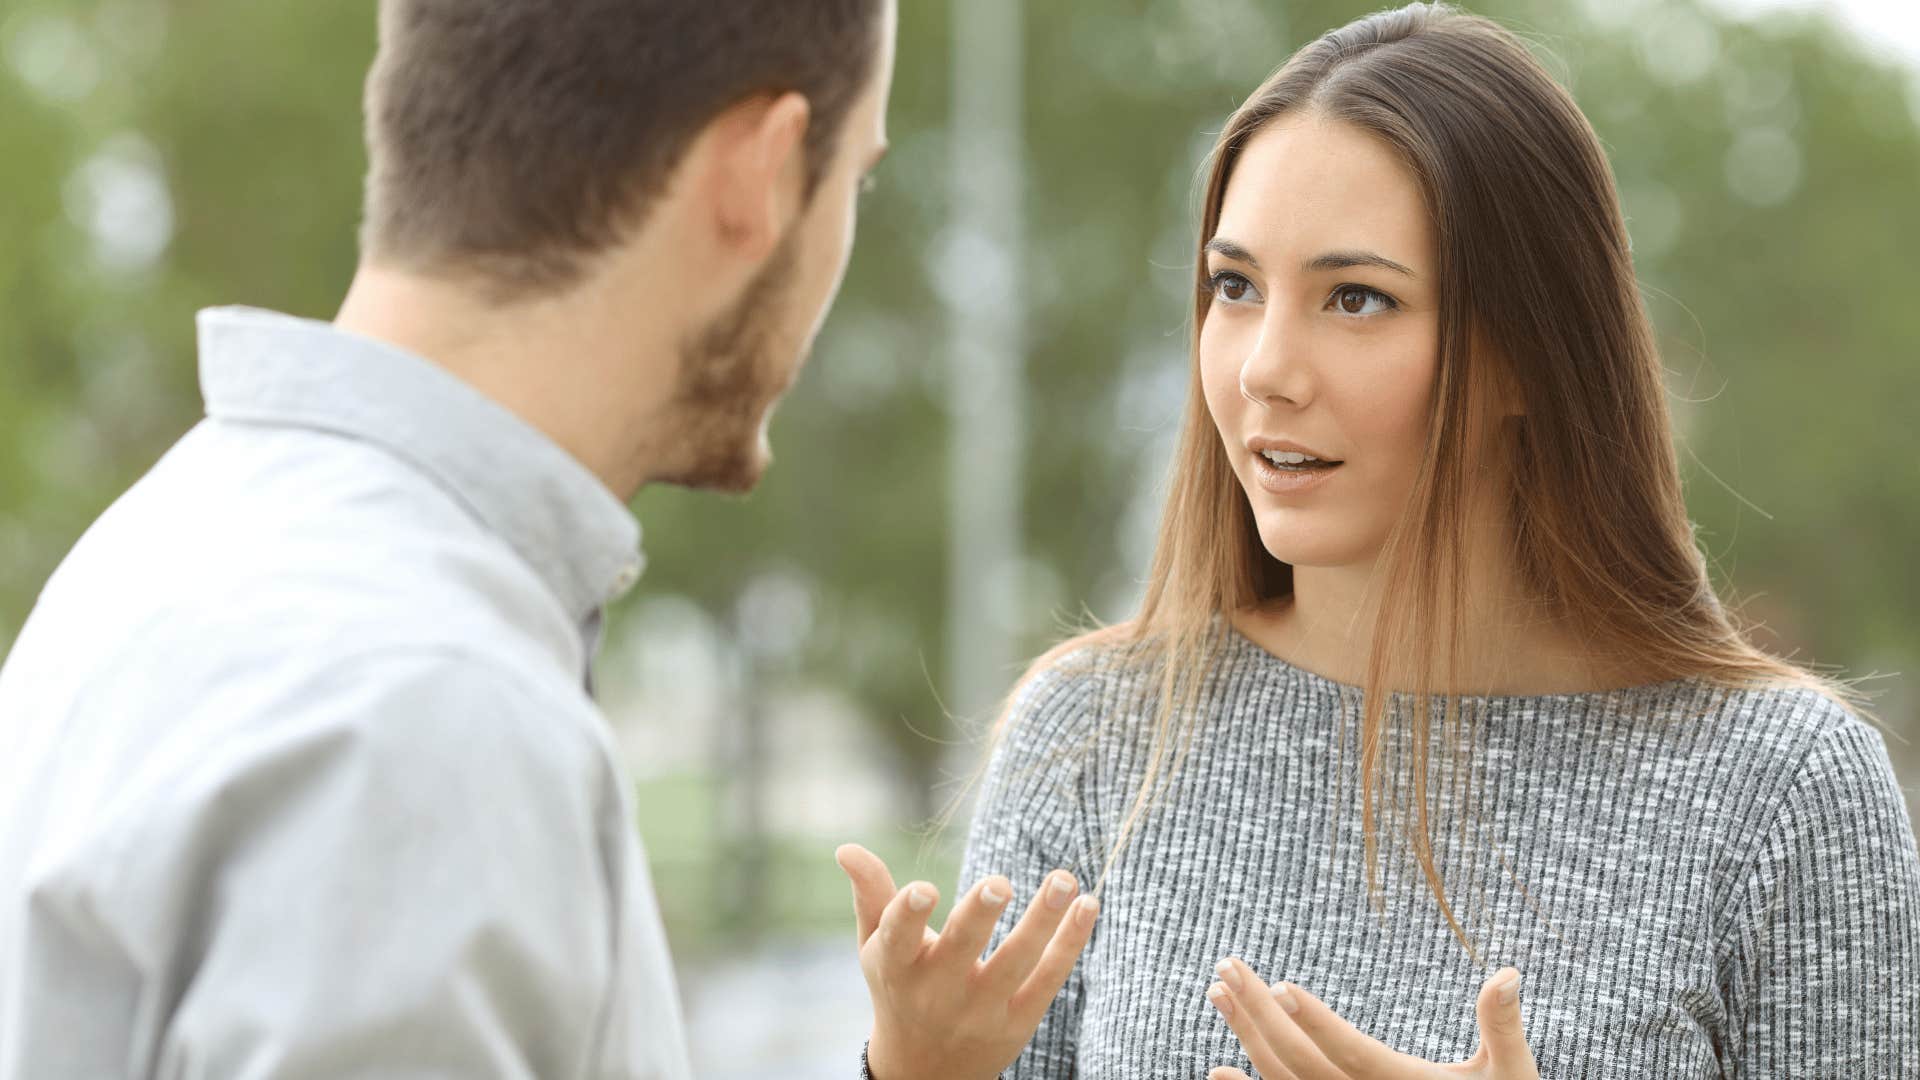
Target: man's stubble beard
x=731 y=374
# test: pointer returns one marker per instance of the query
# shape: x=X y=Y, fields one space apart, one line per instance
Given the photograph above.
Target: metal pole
x=982 y=281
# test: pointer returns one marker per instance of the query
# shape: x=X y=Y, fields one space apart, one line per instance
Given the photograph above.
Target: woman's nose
x=1275 y=372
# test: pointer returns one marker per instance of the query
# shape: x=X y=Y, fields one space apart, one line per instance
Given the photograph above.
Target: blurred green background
x=781 y=679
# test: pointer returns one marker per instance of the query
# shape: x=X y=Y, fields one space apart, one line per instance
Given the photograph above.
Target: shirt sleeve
x=1029 y=822
x=401 y=872
x=1822 y=976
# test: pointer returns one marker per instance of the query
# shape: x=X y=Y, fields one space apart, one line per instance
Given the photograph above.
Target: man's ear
x=755 y=173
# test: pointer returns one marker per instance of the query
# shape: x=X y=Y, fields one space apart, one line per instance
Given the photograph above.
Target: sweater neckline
x=1242 y=644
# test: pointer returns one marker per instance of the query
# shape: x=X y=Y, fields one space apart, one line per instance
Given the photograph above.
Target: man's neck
x=546 y=361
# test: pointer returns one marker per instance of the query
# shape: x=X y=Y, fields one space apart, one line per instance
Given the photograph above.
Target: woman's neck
x=1511 y=643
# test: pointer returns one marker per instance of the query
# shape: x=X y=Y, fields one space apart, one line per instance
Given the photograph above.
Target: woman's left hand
x=1292 y=1035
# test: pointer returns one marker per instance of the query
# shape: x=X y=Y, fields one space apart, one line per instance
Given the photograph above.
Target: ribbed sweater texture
x=1693 y=881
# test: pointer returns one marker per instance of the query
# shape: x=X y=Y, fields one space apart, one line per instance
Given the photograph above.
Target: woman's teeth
x=1288 y=458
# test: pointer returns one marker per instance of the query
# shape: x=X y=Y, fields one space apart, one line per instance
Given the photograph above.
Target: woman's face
x=1321 y=337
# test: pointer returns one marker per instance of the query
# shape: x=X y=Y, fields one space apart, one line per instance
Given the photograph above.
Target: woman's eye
x=1232 y=288
x=1360 y=300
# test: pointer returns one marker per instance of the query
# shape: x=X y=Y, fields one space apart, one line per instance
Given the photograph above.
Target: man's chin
x=737 y=474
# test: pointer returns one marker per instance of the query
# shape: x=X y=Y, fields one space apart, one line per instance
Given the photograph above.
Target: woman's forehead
x=1306 y=185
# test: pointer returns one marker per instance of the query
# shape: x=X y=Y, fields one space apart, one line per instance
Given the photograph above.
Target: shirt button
x=628 y=577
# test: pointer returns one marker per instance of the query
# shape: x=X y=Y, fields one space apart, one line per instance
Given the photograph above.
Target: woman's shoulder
x=1820 y=807
x=1780 y=724
x=1117 y=676
x=1061 y=684
x=1070 y=687
x=1779 y=743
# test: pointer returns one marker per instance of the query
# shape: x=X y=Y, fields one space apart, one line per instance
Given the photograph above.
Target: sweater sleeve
x=1821 y=963
x=1031 y=821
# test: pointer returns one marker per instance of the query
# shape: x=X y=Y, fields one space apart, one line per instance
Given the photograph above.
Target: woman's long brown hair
x=1538 y=295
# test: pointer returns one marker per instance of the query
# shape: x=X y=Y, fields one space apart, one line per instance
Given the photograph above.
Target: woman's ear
x=1501 y=409
x=1508 y=397
x=1498 y=381
x=1513 y=403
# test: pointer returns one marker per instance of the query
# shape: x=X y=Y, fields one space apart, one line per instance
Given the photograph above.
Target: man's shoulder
x=276 y=628
x=402 y=705
x=285 y=555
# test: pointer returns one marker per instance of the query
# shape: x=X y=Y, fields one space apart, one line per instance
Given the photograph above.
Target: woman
x=1429 y=681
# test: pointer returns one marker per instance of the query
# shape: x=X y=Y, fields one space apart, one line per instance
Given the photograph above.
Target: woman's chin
x=1312 y=549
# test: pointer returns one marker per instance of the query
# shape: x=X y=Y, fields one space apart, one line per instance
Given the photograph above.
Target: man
x=303 y=776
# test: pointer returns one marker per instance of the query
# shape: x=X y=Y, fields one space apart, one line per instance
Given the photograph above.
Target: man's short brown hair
x=514 y=137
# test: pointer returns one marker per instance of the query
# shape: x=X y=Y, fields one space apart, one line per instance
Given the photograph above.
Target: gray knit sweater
x=1693 y=882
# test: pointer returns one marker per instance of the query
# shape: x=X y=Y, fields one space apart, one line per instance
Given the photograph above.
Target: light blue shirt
x=299 y=771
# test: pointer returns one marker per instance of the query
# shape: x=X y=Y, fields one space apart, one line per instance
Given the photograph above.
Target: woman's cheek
x=1219 y=381
x=1410 y=401
x=1388 y=414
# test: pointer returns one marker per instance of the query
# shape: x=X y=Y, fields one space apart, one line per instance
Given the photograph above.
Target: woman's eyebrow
x=1341 y=260
x=1222 y=246
x=1332 y=260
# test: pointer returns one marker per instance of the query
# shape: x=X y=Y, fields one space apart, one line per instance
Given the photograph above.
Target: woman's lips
x=1293 y=481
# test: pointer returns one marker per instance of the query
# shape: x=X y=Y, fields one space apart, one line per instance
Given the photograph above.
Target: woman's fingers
x=1227 y=1072
x=1351 y=1052
x=970 y=925
x=1013 y=961
x=903 y=925
x=1281 y=1037
x=1247 y=1029
x=1029 y=1003
x=1289 y=1033
x=1502 y=1036
x=872 y=887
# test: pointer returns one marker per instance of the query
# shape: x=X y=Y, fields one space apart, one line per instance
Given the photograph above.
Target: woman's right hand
x=939 y=1011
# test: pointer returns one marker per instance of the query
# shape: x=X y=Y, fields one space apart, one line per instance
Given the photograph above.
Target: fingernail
x=1510 y=992
x=1059 y=891
x=992 y=894
x=1284 y=995
x=1228 y=973
x=919 y=899
x=1085 y=911
x=1218 y=995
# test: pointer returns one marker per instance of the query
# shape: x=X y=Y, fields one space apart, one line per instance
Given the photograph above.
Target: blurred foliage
x=164 y=155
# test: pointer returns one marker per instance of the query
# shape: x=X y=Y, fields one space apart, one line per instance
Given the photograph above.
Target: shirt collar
x=263 y=367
